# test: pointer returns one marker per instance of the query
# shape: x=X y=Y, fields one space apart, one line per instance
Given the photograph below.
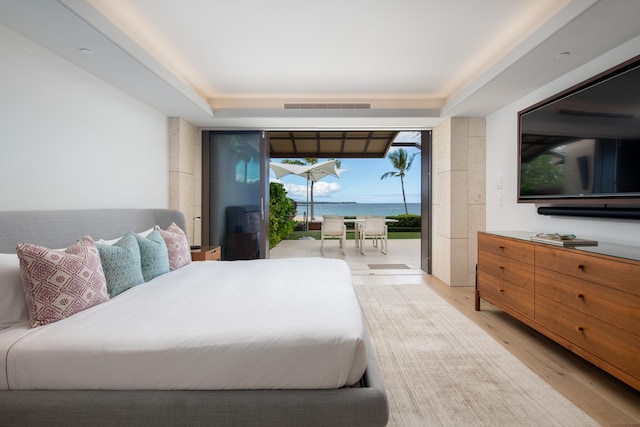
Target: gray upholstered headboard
x=58 y=229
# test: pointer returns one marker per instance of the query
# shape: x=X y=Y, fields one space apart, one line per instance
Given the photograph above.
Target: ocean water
x=354 y=209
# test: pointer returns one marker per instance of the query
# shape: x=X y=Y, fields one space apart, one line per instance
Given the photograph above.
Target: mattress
x=257 y=324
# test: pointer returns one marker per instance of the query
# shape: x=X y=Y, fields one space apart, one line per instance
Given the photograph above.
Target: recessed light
x=85 y=51
x=563 y=54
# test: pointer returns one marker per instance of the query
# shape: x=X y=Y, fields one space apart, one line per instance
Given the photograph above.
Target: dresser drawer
x=625 y=276
x=617 y=308
x=616 y=346
x=506 y=270
x=504 y=294
x=514 y=249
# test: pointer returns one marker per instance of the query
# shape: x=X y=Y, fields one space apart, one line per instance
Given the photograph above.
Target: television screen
x=585 y=142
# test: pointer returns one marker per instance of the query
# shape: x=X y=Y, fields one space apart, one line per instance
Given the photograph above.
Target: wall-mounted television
x=582 y=146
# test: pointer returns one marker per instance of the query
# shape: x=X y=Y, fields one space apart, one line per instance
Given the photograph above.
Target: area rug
x=441 y=369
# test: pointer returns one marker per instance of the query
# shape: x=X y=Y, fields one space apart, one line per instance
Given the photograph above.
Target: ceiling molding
x=64 y=26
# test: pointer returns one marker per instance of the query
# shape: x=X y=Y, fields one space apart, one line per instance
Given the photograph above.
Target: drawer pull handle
x=501 y=248
x=579 y=267
x=579 y=328
x=501 y=290
x=501 y=267
x=579 y=295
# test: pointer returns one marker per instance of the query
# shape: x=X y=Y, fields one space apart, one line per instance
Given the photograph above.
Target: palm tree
x=402 y=163
x=308 y=161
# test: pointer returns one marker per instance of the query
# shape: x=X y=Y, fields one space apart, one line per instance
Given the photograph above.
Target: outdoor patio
x=402 y=258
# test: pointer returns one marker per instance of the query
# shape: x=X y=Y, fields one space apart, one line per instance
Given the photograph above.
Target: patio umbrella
x=314 y=172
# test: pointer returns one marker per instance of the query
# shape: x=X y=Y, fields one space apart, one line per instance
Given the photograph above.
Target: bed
x=161 y=370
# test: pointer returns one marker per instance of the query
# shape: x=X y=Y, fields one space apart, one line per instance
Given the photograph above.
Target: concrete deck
x=402 y=258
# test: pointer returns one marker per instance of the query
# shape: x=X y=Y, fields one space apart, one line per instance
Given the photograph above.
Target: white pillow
x=145 y=233
x=13 y=305
x=110 y=242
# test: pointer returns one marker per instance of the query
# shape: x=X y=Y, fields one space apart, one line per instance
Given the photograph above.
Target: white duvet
x=260 y=324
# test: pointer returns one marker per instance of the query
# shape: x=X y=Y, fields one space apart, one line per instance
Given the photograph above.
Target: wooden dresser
x=586 y=299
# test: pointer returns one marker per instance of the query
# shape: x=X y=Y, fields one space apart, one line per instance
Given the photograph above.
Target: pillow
x=59 y=284
x=121 y=264
x=144 y=233
x=177 y=246
x=13 y=307
x=154 y=258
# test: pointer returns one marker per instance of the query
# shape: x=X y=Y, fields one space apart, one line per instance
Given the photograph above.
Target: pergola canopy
x=331 y=144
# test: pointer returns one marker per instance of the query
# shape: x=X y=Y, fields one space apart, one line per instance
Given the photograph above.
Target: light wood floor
x=604 y=398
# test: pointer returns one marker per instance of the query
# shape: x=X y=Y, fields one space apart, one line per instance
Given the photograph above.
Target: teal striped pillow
x=121 y=264
x=154 y=258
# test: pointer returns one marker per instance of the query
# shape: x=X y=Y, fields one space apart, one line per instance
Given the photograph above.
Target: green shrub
x=281 y=212
x=406 y=222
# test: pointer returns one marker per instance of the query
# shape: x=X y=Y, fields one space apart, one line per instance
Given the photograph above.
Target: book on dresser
x=560 y=240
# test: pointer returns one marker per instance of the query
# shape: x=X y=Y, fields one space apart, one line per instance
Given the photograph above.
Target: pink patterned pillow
x=177 y=246
x=59 y=283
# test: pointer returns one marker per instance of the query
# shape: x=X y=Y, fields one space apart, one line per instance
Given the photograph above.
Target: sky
x=359 y=182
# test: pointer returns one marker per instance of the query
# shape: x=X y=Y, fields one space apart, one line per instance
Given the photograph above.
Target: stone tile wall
x=185 y=174
x=458 y=199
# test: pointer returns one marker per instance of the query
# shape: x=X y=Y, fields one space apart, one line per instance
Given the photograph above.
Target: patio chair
x=333 y=228
x=356 y=229
x=374 y=228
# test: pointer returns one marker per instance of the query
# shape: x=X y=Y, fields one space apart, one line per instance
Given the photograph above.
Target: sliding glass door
x=238 y=193
x=426 y=200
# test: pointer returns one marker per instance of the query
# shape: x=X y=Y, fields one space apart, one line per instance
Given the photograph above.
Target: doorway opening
x=366 y=188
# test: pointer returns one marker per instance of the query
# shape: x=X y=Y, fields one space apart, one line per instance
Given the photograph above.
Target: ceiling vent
x=328 y=106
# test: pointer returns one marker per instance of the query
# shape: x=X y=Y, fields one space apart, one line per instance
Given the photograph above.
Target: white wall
x=68 y=140
x=502 y=162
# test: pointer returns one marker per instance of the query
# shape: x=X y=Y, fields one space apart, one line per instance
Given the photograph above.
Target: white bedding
x=259 y=324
